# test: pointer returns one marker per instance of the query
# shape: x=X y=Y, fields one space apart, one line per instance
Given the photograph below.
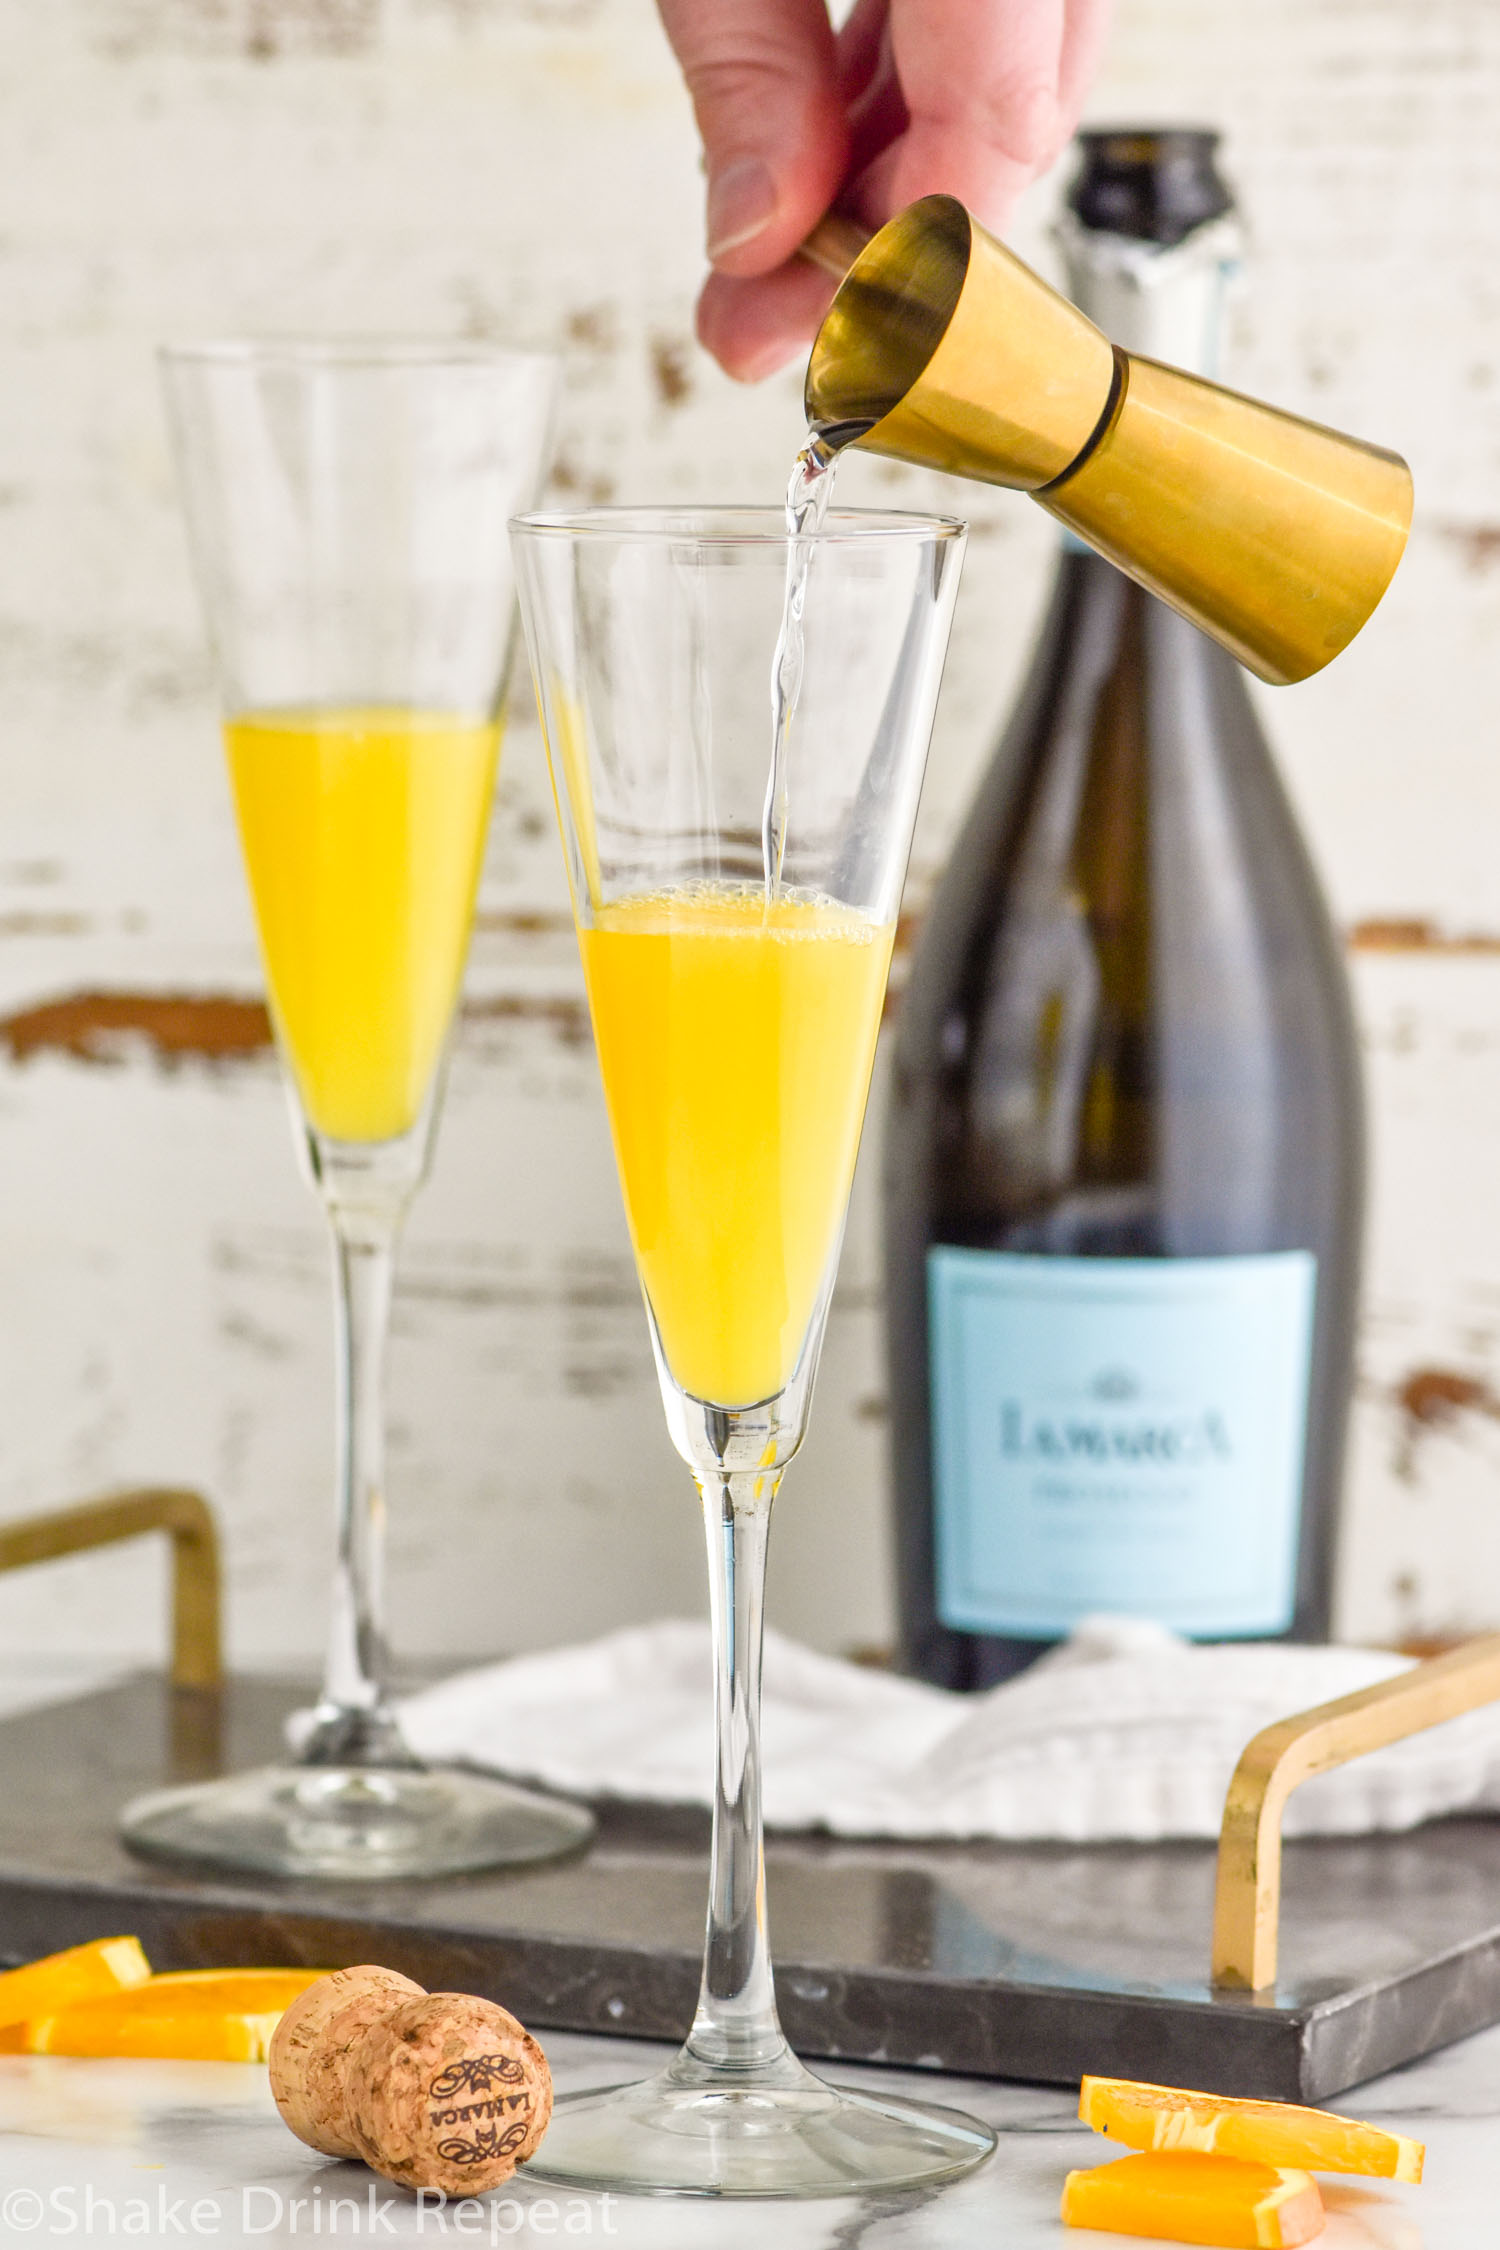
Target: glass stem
x=736 y=2030
x=354 y=1723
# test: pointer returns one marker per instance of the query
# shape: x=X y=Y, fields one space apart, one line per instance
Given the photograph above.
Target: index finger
x=763 y=79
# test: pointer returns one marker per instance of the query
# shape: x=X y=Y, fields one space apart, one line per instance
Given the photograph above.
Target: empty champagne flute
x=736 y=968
x=347 y=505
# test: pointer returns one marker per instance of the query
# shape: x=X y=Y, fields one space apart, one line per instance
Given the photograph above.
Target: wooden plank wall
x=526 y=168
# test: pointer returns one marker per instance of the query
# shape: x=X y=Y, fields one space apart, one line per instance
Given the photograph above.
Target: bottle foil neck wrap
x=1159 y=302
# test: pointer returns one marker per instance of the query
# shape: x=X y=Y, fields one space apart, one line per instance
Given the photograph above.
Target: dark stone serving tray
x=1037 y=1962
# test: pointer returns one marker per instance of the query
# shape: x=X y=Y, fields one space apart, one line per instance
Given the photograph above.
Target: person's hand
x=971 y=97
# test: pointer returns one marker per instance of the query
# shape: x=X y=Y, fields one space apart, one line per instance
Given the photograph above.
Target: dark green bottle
x=1124 y=1156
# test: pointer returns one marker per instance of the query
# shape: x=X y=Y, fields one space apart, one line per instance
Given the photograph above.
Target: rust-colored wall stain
x=1440 y=1394
x=259 y=30
x=572 y=481
x=318 y=27
x=593 y=328
x=215 y=1027
x=510 y=922
x=1477 y=543
x=1435 y=1398
x=23 y=923
x=100 y=1027
x=568 y=1020
x=1394 y=934
x=669 y=370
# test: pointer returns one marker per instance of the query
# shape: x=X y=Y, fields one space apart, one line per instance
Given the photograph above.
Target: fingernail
x=741 y=200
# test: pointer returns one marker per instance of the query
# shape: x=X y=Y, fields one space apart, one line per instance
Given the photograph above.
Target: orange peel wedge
x=193 y=2015
x=60 y=1980
x=1181 y=2195
x=1280 y=2133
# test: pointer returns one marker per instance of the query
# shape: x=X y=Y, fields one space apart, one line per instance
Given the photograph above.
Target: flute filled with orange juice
x=735 y=1044
x=736 y=929
x=347 y=504
x=363 y=833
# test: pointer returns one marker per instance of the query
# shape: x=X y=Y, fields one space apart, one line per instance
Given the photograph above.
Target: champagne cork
x=449 y=2092
x=312 y=2041
x=432 y=2090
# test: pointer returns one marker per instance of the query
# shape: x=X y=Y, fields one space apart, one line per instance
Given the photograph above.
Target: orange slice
x=196 y=2015
x=84 y=1972
x=1313 y=2140
x=1178 y=2195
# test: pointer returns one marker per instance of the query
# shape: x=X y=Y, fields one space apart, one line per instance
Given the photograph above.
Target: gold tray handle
x=188 y=1522
x=1247 y=1891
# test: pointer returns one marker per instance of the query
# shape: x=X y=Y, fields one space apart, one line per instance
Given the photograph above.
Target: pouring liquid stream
x=807 y=497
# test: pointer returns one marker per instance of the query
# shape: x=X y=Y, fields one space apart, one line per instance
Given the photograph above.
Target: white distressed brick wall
x=527 y=168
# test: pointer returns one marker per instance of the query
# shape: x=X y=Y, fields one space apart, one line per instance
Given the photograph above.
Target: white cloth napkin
x=1124 y=1732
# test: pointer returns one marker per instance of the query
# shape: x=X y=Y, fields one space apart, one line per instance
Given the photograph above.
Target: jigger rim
x=735 y=526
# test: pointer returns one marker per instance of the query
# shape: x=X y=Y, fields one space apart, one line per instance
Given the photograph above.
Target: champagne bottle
x=1124 y=1156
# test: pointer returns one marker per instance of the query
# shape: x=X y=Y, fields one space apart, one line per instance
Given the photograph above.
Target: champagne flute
x=736 y=991
x=347 y=504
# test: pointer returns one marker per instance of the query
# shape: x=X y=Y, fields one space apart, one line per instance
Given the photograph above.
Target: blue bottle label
x=1119 y=1434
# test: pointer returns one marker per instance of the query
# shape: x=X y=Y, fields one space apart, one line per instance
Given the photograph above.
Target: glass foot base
x=353 y=1823
x=691 y=2132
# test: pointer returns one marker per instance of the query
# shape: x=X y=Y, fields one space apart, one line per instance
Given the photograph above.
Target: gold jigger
x=1275 y=535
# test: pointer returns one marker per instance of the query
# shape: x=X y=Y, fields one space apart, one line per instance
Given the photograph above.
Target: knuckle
x=1022 y=118
x=741 y=78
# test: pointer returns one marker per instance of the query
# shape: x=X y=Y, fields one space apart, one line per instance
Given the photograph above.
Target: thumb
x=763 y=82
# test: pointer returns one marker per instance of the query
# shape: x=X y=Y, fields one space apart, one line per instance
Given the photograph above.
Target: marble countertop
x=178 y=2152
